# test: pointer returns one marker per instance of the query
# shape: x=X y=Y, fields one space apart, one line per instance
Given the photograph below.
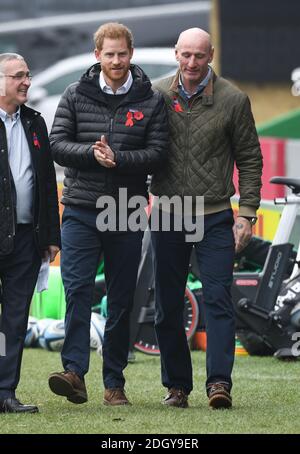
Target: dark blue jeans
x=82 y=245
x=18 y=273
x=215 y=256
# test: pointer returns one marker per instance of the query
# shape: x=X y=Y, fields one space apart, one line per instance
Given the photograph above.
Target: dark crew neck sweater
x=113 y=101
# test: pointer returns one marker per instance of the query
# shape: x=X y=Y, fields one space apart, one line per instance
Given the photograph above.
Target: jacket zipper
x=111 y=126
x=188 y=122
x=188 y=114
x=186 y=151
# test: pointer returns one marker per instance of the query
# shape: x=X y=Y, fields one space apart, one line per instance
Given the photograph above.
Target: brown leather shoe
x=219 y=396
x=115 y=396
x=176 y=398
x=70 y=385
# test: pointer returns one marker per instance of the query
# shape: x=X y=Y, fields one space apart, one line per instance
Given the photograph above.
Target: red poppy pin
x=36 y=142
x=176 y=106
x=133 y=115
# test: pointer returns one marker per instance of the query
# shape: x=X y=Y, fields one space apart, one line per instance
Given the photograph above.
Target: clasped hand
x=103 y=153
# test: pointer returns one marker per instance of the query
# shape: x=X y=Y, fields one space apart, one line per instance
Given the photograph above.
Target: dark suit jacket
x=46 y=215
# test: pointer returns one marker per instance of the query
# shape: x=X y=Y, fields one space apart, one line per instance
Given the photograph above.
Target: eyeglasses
x=20 y=77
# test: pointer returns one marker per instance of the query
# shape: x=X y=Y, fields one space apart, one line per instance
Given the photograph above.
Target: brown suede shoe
x=219 y=396
x=176 y=398
x=115 y=396
x=70 y=385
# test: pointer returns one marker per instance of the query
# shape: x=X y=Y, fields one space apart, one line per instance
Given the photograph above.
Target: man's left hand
x=242 y=230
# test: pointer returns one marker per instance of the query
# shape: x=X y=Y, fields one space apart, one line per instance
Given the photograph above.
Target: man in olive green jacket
x=211 y=128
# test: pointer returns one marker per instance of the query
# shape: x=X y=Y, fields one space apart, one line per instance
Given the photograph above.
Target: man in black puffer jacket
x=110 y=132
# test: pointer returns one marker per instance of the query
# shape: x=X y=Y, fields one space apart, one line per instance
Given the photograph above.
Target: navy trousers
x=82 y=245
x=18 y=273
x=215 y=256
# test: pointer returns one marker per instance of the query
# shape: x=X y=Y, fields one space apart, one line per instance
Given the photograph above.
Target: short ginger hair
x=112 y=30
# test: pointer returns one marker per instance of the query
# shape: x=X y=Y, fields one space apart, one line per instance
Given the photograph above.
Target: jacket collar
x=140 y=89
x=207 y=94
x=28 y=113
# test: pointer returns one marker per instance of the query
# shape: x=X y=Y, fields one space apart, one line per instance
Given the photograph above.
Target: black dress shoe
x=13 y=405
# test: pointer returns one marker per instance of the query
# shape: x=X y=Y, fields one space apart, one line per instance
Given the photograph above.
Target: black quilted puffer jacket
x=137 y=132
x=46 y=217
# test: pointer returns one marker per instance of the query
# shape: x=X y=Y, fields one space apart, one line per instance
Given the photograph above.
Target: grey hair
x=7 y=57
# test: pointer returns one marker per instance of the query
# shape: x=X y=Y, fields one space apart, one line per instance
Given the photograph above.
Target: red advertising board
x=273 y=151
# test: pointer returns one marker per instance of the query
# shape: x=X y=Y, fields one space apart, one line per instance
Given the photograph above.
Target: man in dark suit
x=29 y=219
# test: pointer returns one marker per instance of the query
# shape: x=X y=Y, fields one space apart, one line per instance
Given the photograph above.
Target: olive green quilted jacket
x=207 y=136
